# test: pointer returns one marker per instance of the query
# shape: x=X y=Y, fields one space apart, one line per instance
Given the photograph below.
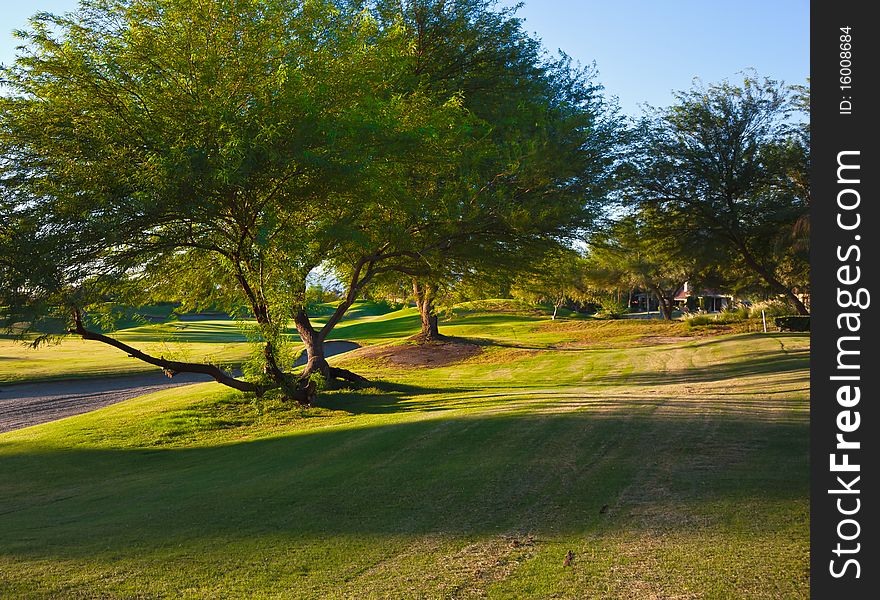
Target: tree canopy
x=533 y=177
x=213 y=152
x=731 y=162
x=217 y=153
x=652 y=252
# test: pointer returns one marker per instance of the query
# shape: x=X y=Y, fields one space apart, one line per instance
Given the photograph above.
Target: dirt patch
x=422 y=354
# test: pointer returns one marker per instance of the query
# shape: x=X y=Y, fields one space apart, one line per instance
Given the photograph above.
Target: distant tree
x=731 y=159
x=647 y=250
x=557 y=277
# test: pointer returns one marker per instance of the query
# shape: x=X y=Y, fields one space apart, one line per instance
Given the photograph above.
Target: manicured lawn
x=671 y=465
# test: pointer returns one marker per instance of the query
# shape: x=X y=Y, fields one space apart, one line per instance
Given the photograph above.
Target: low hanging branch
x=171 y=367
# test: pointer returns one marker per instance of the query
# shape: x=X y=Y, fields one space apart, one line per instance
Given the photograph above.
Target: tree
x=536 y=168
x=730 y=159
x=216 y=152
x=648 y=250
x=557 y=277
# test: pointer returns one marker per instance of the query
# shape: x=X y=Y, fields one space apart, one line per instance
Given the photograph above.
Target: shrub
x=793 y=323
x=321 y=383
x=737 y=314
x=724 y=318
x=386 y=306
x=699 y=321
x=610 y=309
x=771 y=309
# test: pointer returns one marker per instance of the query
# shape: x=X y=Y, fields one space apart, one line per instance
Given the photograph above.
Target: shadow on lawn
x=392 y=398
x=542 y=474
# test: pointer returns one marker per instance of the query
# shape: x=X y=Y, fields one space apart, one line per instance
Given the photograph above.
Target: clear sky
x=644 y=49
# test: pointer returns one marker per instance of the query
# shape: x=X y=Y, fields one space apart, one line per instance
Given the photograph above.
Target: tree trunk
x=662 y=308
x=295 y=389
x=768 y=276
x=317 y=360
x=665 y=303
x=424 y=294
x=314 y=343
x=667 y=306
x=556 y=306
x=780 y=288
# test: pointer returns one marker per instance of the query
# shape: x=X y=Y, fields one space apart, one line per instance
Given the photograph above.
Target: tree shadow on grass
x=386 y=397
x=472 y=475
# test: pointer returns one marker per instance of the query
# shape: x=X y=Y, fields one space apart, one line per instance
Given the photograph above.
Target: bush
x=737 y=314
x=321 y=383
x=723 y=318
x=793 y=323
x=699 y=321
x=613 y=310
x=771 y=309
x=385 y=305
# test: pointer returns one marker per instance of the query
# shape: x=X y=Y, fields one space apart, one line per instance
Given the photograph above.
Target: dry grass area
x=620 y=333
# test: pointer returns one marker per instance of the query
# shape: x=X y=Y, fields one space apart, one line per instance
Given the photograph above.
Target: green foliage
x=218 y=153
x=321 y=382
x=726 y=163
x=610 y=308
x=497 y=305
x=556 y=277
x=727 y=317
x=793 y=323
x=166 y=161
x=700 y=320
x=770 y=309
x=535 y=168
x=741 y=312
x=644 y=250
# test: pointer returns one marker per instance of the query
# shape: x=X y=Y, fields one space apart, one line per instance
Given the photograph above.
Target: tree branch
x=171 y=367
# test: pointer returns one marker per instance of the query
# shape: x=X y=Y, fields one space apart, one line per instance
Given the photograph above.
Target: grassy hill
x=670 y=462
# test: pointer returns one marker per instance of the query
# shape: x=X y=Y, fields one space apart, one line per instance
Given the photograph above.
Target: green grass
x=469 y=480
x=224 y=342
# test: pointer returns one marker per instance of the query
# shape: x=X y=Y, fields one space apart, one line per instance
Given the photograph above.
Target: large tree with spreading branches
x=733 y=158
x=219 y=152
x=212 y=152
x=537 y=169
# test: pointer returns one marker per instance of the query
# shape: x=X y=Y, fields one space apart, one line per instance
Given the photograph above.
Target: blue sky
x=644 y=49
